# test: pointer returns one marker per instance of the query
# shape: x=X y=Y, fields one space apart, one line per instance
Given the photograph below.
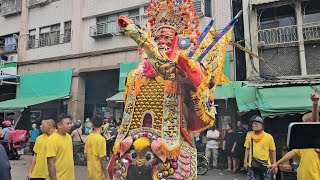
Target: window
x=145 y=11
x=108 y=24
x=67 y=32
x=311 y=11
x=277 y=17
x=133 y=12
x=32 y=39
x=9 y=43
x=49 y=35
x=207 y=10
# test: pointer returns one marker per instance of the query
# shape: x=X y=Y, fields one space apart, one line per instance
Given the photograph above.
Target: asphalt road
x=19 y=170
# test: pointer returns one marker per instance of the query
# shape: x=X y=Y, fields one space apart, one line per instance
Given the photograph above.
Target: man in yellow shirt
x=59 y=151
x=309 y=167
x=38 y=168
x=264 y=149
x=95 y=151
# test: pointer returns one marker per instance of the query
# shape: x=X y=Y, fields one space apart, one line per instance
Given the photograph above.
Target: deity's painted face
x=164 y=38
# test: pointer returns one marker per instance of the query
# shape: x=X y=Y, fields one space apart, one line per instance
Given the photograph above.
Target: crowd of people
x=52 y=147
x=254 y=151
x=227 y=149
x=53 y=150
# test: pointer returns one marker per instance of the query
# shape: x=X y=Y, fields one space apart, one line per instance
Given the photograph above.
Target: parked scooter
x=15 y=150
x=16 y=144
x=13 y=140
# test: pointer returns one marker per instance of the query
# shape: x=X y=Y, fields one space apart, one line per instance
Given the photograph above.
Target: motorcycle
x=16 y=145
x=15 y=150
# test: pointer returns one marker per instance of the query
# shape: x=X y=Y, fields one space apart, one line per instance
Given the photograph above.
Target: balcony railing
x=49 y=40
x=288 y=34
x=10 y=7
x=110 y=29
x=311 y=31
x=35 y=3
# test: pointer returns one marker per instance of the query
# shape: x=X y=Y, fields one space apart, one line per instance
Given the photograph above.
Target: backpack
x=16 y=136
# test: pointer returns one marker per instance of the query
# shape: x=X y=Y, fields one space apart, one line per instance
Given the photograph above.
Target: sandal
x=234 y=171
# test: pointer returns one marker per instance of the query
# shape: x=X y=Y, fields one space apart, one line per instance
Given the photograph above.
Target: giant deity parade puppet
x=169 y=96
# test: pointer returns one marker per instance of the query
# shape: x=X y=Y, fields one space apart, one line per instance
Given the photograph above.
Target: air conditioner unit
x=199 y=7
x=13 y=58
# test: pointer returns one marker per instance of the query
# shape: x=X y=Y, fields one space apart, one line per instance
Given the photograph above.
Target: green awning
x=224 y=92
x=117 y=97
x=276 y=101
x=38 y=88
x=284 y=100
x=125 y=69
x=226 y=69
x=245 y=96
x=21 y=103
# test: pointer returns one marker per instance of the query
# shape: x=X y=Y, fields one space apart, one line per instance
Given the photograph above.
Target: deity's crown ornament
x=176 y=14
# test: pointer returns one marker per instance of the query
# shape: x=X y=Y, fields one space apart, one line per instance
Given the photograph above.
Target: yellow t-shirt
x=61 y=147
x=309 y=167
x=95 y=149
x=40 y=169
x=261 y=149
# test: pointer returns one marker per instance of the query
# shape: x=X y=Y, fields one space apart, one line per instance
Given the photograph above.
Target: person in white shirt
x=198 y=141
x=212 y=146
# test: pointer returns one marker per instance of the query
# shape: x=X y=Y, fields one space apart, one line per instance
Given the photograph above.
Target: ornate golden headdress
x=176 y=14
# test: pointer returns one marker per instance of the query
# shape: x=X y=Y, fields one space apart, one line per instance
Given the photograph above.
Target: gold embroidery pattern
x=171 y=126
x=150 y=99
x=127 y=114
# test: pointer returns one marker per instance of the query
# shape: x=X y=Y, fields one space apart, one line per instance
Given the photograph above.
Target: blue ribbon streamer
x=202 y=36
x=224 y=31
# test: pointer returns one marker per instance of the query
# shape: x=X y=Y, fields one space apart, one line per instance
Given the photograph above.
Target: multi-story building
x=52 y=35
x=286 y=34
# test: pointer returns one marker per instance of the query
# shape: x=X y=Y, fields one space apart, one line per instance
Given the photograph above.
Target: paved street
x=20 y=168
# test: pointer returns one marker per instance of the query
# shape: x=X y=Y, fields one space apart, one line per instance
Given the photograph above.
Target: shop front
x=39 y=95
x=8 y=81
x=279 y=106
x=115 y=103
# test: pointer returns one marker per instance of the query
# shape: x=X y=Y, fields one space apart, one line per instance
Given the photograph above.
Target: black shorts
x=37 y=178
x=228 y=153
x=239 y=152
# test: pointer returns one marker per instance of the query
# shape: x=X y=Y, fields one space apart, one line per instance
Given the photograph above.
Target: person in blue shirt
x=34 y=134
